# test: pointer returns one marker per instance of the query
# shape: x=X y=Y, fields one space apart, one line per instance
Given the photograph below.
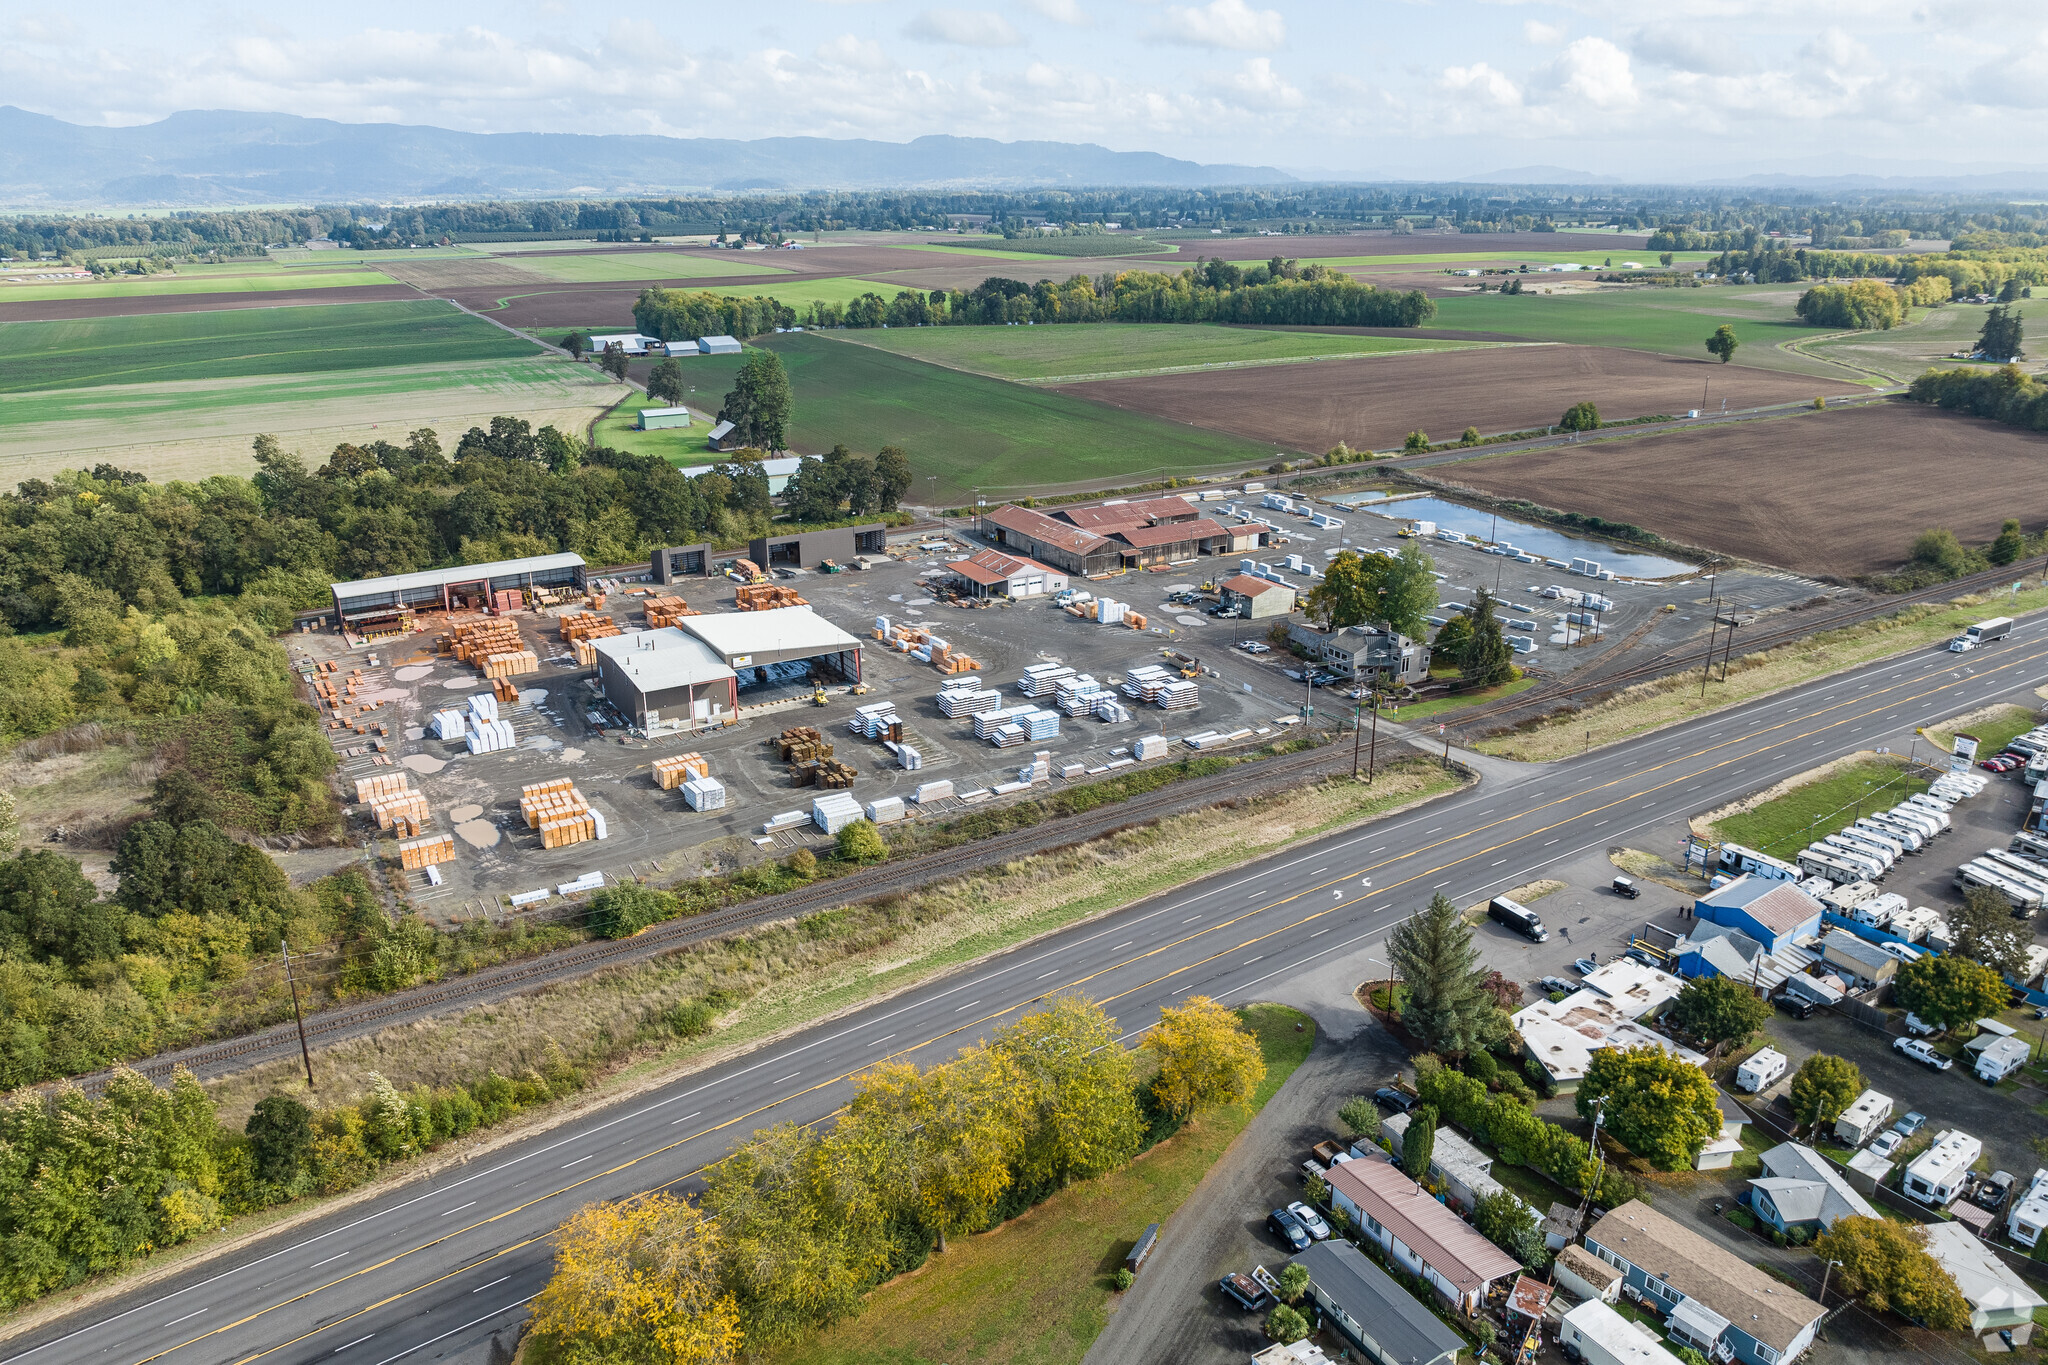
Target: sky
x=1349 y=89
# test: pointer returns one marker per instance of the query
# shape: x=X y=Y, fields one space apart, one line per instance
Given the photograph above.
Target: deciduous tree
x=759 y=406
x=1580 y=416
x=1396 y=590
x=1887 y=1265
x=1658 y=1106
x=1446 y=1008
x=1719 y=1009
x=1207 y=1058
x=1985 y=931
x=1949 y=989
x=1722 y=343
x=861 y=842
x=1823 y=1087
x=638 y=1282
x=952 y=1132
x=280 y=1131
x=2002 y=334
x=1504 y=1220
x=2010 y=545
x=1076 y=1083
x=613 y=361
x=665 y=381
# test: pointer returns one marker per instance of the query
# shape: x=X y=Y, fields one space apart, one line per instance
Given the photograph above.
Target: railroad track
x=280 y=1042
x=1796 y=627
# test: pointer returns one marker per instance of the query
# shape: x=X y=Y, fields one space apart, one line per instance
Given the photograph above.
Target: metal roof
x=1403 y=1329
x=1446 y=1243
x=1718 y=1280
x=459 y=573
x=1040 y=527
x=1244 y=585
x=777 y=630
x=657 y=660
x=1168 y=533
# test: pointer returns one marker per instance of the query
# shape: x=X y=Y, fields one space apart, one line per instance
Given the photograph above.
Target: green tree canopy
x=2002 y=334
x=2010 y=545
x=1949 y=989
x=1984 y=930
x=1485 y=659
x=280 y=1132
x=1887 y=1265
x=1581 y=416
x=1823 y=1087
x=1396 y=590
x=861 y=842
x=1661 y=1107
x=1418 y=1142
x=1720 y=1009
x=624 y=909
x=665 y=381
x=1722 y=343
x=1446 y=1006
x=760 y=404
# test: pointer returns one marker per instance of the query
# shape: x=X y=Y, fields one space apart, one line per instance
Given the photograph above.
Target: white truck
x=1983 y=633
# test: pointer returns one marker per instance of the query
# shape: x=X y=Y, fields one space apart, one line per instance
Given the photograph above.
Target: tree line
x=798 y=1223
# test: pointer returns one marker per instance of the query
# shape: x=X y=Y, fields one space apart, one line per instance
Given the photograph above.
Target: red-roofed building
x=1034 y=535
x=1106 y=517
x=1421 y=1235
x=1172 y=542
x=1255 y=598
x=995 y=574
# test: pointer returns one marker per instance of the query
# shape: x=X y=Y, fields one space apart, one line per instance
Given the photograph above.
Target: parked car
x=1886 y=1143
x=1550 y=984
x=1798 y=1006
x=1586 y=966
x=1254 y=647
x=1922 y=1053
x=1400 y=1101
x=1289 y=1230
x=1911 y=1124
x=1993 y=1190
x=1243 y=1289
x=1625 y=886
x=1313 y=1221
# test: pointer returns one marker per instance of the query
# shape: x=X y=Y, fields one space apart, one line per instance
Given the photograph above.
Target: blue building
x=1773 y=914
x=1714 y=1301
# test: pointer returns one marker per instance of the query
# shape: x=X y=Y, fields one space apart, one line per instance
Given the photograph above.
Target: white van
x=1761 y=1071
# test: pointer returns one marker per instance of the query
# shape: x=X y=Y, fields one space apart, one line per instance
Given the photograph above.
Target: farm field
x=194 y=428
x=1053 y=355
x=195 y=282
x=1591 y=257
x=1924 y=343
x=706 y=381
x=1882 y=473
x=971 y=431
x=1514 y=388
x=1671 y=321
x=601 y=267
x=99 y=352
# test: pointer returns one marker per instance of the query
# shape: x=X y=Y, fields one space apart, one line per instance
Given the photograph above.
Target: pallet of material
x=969 y=703
x=789 y=819
x=801 y=743
x=511 y=665
x=1179 y=695
x=766 y=597
x=834 y=811
x=418 y=853
x=988 y=722
x=409 y=806
x=1041 y=680
x=489 y=736
x=473 y=640
x=588 y=625
x=666 y=611
x=383 y=784
x=704 y=793
x=567 y=829
x=887 y=811
x=674 y=771
x=506 y=691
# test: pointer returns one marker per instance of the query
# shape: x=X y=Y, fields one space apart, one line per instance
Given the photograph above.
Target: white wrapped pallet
x=789 y=819
x=1111 y=612
x=704 y=793
x=1111 y=710
x=932 y=791
x=1008 y=736
x=448 y=725
x=988 y=722
x=886 y=811
x=1150 y=746
x=484 y=705
x=909 y=757
x=834 y=811
x=597 y=821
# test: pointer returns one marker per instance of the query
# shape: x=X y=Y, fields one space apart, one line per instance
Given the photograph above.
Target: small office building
x=1361 y=1302
x=666 y=679
x=1256 y=599
x=995 y=574
x=370 y=604
x=809 y=549
x=1359 y=652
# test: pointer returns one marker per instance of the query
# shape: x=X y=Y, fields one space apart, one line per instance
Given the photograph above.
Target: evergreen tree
x=2000 y=339
x=665 y=382
x=1485 y=656
x=1418 y=1143
x=759 y=404
x=1446 y=1007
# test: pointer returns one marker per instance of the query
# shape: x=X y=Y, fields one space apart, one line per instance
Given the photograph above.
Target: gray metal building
x=370 y=602
x=683 y=561
x=807 y=549
x=666 y=679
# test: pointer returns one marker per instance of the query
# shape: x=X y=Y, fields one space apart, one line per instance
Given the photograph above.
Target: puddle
x=1188 y=620
x=413 y=674
x=461 y=813
x=466 y=684
x=477 y=833
x=540 y=742
x=572 y=754
x=424 y=763
x=383 y=694
x=534 y=696
x=415 y=732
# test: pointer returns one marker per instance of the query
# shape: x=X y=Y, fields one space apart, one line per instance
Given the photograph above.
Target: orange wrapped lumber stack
x=511 y=665
x=505 y=690
x=415 y=854
x=382 y=784
x=766 y=597
x=666 y=611
x=670 y=773
x=588 y=625
x=559 y=812
x=477 y=640
x=960 y=663
x=407 y=805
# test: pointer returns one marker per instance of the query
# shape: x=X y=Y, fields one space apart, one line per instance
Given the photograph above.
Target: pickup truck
x=1244 y=1290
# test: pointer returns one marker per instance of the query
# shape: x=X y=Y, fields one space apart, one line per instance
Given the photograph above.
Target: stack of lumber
x=588 y=625
x=475 y=641
x=766 y=597
x=822 y=772
x=560 y=813
x=381 y=784
x=415 y=854
x=670 y=773
x=391 y=798
x=802 y=743
x=748 y=570
x=511 y=599
x=506 y=691
x=511 y=665
x=666 y=611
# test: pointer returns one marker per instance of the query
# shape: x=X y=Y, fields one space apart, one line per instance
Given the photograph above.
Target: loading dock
x=682 y=561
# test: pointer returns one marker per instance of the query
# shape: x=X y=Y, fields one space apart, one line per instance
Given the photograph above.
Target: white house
x=1999 y=1299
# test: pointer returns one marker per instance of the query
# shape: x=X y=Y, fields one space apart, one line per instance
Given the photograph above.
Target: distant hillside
x=222 y=157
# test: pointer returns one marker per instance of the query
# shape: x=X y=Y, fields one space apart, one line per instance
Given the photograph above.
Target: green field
x=1592 y=258
x=147 y=286
x=597 y=268
x=681 y=446
x=92 y=352
x=971 y=431
x=1053 y=355
x=1784 y=825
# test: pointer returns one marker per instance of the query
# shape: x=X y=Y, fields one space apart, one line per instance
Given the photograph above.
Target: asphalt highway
x=438 y=1268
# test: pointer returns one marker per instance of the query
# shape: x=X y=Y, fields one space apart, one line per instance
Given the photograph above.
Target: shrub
x=861 y=842
x=691 y=1019
x=1359 y=1115
x=1481 y=1067
x=1123 y=1279
x=802 y=863
x=624 y=910
x=1286 y=1326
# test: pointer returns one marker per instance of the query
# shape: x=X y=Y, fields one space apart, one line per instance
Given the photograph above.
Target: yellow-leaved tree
x=1207 y=1058
x=637 y=1283
x=1080 y=1108
x=942 y=1142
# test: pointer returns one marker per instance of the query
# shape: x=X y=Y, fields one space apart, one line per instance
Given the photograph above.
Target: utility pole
x=305 y=1053
x=1357 y=732
x=1713 y=626
x=1825 y=1270
x=1445 y=731
x=1729 y=653
x=1372 y=745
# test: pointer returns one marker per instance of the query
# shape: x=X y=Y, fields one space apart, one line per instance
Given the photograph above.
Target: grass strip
x=1994 y=726
x=1038 y=1288
x=1676 y=697
x=1821 y=805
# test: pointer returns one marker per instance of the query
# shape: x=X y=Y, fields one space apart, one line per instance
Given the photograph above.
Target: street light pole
x=1373 y=745
x=1825 y=1270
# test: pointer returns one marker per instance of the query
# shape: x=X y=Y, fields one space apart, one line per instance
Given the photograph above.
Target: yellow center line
x=1084 y=980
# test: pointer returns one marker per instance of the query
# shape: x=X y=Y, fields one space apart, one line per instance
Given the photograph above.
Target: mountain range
x=222 y=157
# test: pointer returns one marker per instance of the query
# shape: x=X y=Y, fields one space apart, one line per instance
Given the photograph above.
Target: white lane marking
x=1319 y=933
x=459 y=1208
x=357 y=1342
x=1248 y=961
x=968 y=1006
x=317 y=1264
x=449 y=1333
x=687 y=1117
x=1319 y=872
x=492 y=1285
x=193 y=1314
x=794 y=1074
x=581 y=1159
x=1190 y=919
x=1057 y=970
x=1119 y=948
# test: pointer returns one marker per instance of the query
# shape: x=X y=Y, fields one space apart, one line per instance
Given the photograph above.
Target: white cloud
x=1257 y=85
x=1684 y=49
x=858 y=54
x=1059 y=11
x=1598 y=72
x=1228 y=24
x=1539 y=34
x=1480 y=84
x=963 y=28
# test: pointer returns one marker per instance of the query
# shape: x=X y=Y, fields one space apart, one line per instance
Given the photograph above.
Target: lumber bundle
x=921 y=644
x=474 y=641
x=415 y=854
x=822 y=772
x=670 y=773
x=666 y=611
x=560 y=813
x=588 y=625
x=407 y=807
x=766 y=597
x=506 y=691
x=382 y=784
x=511 y=665
x=803 y=742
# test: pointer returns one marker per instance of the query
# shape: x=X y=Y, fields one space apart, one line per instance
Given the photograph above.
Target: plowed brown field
x=1375 y=402
x=63 y=310
x=1836 y=493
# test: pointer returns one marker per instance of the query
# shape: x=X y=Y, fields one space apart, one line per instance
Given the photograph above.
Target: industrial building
x=1179 y=542
x=1035 y=535
x=683 y=561
x=760 y=640
x=666 y=679
x=808 y=549
x=703 y=346
x=632 y=343
x=370 y=604
x=662 y=419
x=1255 y=598
x=995 y=574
